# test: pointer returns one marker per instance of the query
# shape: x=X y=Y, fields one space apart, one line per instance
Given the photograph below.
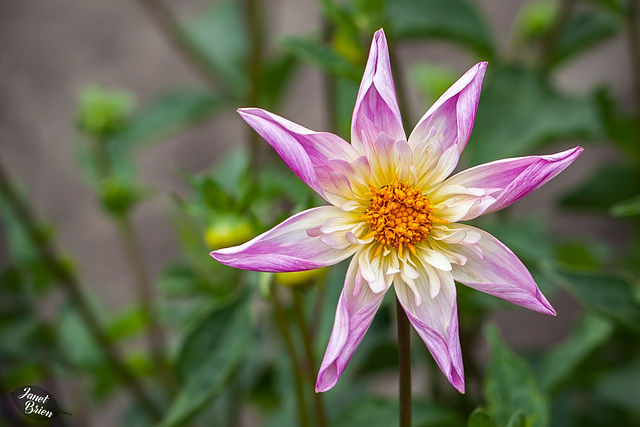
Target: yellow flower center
x=399 y=216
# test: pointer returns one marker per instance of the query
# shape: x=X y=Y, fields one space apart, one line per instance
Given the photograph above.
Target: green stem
x=145 y=292
x=71 y=285
x=404 y=364
x=283 y=326
x=329 y=82
x=633 y=42
x=311 y=366
x=401 y=88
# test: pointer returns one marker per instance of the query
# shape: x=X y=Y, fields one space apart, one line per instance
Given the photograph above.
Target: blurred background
x=118 y=133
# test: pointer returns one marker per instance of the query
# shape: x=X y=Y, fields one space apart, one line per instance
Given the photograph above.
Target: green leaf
x=519 y=112
x=517 y=420
x=509 y=386
x=585 y=29
x=629 y=207
x=607 y=185
x=321 y=56
x=559 y=364
x=458 y=21
x=606 y=294
x=219 y=34
x=481 y=418
x=622 y=386
x=168 y=114
x=276 y=75
x=128 y=322
x=207 y=360
x=378 y=411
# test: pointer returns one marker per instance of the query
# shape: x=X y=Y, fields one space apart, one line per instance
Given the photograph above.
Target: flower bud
x=299 y=278
x=103 y=112
x=228 y=230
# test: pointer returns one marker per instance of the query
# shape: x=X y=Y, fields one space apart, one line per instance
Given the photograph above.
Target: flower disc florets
x=399 y=215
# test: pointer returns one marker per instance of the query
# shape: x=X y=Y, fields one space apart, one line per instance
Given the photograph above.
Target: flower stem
x=310 y=359
x=281 y=320
x=71 y=285
x=548 y=45
x=404 y=364
x=144 y=289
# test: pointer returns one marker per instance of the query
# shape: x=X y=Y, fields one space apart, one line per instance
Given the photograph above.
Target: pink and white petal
x=301 y=149
x=452 y=115
x=436 y=321
x=356 y=308
x=376 y=109
x=508 y=180
x=288 y=246
x=497 y=271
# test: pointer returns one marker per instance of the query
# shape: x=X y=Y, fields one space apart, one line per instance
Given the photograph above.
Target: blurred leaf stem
x=404 y=365
x=144 y=286
x=72 y=287
x=633 y=37
x=175 y=35
x=550 y=39
x=254 y=26
x=283 y=326
x=311 y=366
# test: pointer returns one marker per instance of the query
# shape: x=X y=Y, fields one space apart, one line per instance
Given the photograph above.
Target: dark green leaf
x=558 y=365
x=621 y=127
x=207 y=360
x=168 y=114
x=607 y=294
x=607 y=185
x=455 y=20
x=377 y=411
x=584 y=30
x=622 y=386
x=481 y=418
x=276 y=76
x=509 y=386
x=322 y=56
x=519 y=112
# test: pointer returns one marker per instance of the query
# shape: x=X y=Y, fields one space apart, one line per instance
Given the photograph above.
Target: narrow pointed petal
x=449 y=121
x=436 y=321
x=507 y=181
x=288 y=246
x=301 y=149
x=376 y=109
x=497 y=271
x=356 y=308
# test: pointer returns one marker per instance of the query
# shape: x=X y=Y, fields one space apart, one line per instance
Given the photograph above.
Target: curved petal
x=495 y=270
x=376 y=109
x=301 y=149
x=356 y=308
x=287 y=247
x=436 y=321
x=449 y=121
x=508 y=180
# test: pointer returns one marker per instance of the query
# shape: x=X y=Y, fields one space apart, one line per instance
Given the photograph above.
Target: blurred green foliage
x=227 y=354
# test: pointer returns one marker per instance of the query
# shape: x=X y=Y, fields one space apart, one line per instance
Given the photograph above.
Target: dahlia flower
x=394 y=208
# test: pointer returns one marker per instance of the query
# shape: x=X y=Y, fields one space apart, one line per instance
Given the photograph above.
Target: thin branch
x=254 y=26
x=72 y=287
x=550 y=40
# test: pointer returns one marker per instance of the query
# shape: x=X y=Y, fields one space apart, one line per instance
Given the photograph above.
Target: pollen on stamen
x=400 y=216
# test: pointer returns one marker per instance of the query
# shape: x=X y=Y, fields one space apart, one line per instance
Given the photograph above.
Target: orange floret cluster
x=400 y=216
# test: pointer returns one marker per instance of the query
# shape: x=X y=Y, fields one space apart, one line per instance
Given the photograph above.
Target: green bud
x=103 y=112
x=118 y=198
x=299 y=278
x=228 y=230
